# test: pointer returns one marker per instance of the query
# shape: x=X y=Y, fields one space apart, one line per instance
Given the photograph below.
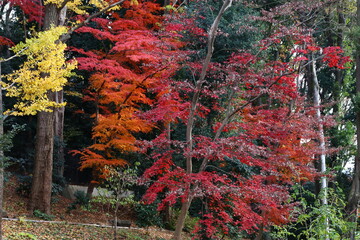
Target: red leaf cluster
x=333 y=56
x=6 y=42
x=33 y=9
x=244 y=168
x=135 y=65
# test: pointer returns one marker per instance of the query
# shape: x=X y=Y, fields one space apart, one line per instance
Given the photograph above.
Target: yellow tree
x=38 y=72
x=44 y=70
x=48 y=122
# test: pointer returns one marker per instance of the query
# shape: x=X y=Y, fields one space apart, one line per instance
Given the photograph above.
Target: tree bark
x=354 y=195
x=42 y=177
x=59 y=134
x=185 y=205
x=1 y=160
x=166 y=213
x=40 y=196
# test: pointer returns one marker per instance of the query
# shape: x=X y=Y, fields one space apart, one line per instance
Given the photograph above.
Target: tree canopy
x=228 y=106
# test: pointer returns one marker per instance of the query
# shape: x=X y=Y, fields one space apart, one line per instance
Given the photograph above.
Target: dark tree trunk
x=354 y=195
x=42 y=177
x=40 y=196
x=1 y=160
x=90 y=188
x=166 y=212
x=59 y=135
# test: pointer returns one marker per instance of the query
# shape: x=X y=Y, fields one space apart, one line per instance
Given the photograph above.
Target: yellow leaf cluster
x=134 y=2
x=101 y=4
x=77 y=6
x=44 y=70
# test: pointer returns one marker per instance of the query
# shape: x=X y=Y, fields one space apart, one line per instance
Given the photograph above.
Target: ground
x=65 y=226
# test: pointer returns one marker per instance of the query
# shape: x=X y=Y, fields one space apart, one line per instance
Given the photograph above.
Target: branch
x=138 y=86
x=14 y=56
x=211 y=41
x=230 y=115
x=66 y=36
x=201 y=81
x=142 y=82
x=64 y=4
x=258 y=96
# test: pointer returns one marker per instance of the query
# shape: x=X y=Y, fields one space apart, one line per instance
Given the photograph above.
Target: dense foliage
x=218 y=101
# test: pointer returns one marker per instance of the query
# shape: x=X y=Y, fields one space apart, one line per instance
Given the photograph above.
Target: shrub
x=24 y=187
x=81 y=199
x=44 y=216
x=147 y=215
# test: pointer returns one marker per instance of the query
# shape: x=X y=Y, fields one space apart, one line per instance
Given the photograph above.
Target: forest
x=210 y=119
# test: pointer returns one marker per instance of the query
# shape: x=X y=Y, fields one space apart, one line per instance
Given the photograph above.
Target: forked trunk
x=192 y=116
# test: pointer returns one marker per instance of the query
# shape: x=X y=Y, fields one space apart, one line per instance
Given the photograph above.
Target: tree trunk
x=59 y=117
x=1 y=159
x=192 y=116
x=354 y=195
x=91 y=187
x=40 y=196
x=185 y=205
x=260 y=234
x=322 y=157
x=42 y=178
x=313 y=96
x=334 y=159
x=166 y=212
x=59 y=135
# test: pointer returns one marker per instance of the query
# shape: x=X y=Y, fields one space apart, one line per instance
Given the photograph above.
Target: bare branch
x=64 y=4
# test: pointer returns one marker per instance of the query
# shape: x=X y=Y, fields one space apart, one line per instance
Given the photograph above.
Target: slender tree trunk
x=40 y=196
x=333 y=160
x=166 y=213
x=59 y=116
x=115 y=215
x=322 y=157
x=1 y=159
x=185 y=205
x=339 y=74
x=59 y=134
x=312 y=90
x=354 y=195
x=190 y=124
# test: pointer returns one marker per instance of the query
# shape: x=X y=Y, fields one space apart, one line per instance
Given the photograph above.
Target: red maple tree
x=264 y=138
x=124 y=78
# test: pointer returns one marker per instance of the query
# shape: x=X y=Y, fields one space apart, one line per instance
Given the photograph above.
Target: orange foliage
x=122 y=79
